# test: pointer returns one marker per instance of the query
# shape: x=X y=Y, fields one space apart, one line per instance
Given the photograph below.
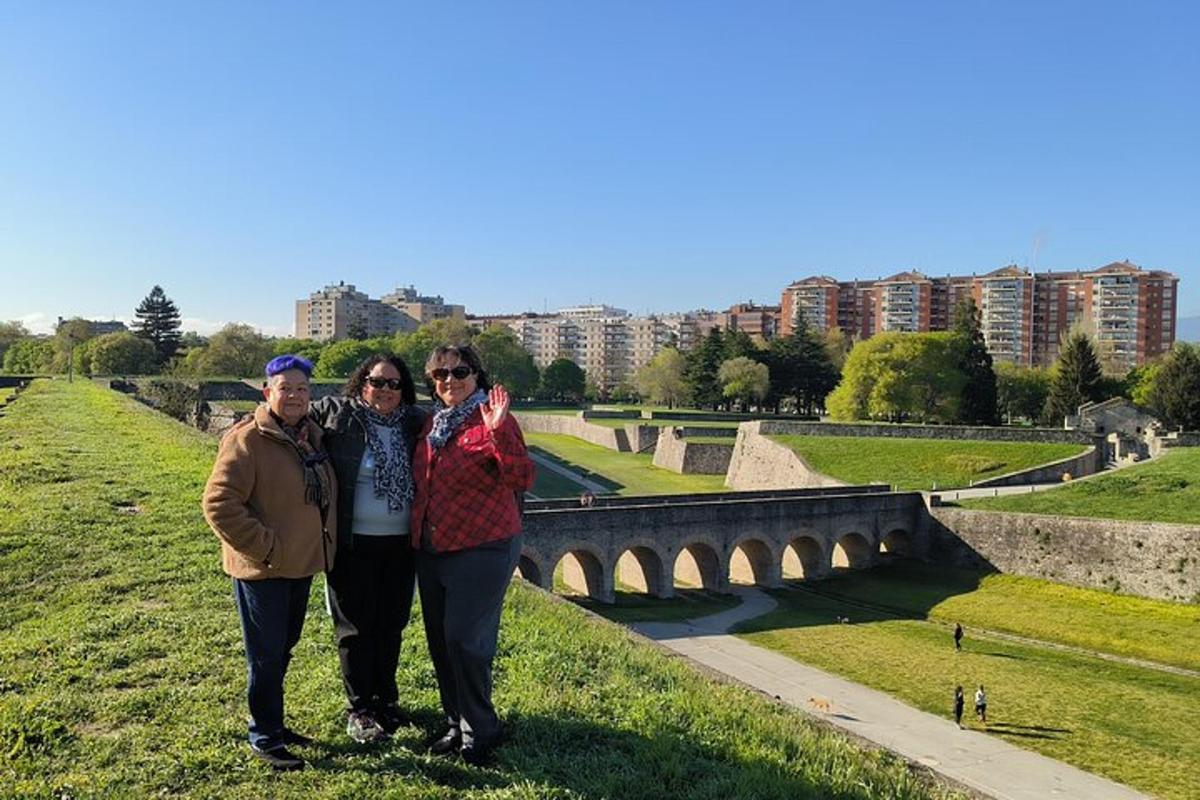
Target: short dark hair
x=358 y=378
x=467 y=355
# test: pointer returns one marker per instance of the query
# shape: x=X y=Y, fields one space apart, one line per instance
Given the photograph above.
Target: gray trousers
x=461 y=597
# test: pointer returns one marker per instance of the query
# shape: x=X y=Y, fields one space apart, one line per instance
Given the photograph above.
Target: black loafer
x=279 y=758
x=449 y=742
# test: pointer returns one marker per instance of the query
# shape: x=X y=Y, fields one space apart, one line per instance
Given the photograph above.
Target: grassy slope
x=625 y=473
x=920 y=463
x=121 y=672
x=1131 y=724
x=1166 y=489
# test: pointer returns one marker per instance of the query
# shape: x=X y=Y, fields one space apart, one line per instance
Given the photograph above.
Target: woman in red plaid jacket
x=469 y=470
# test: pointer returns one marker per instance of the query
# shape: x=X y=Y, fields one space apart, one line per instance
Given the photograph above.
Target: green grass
x=663 y=423
x=7 y=392
x=238 y=405
x=634 y=606
x=1166 y=489
x=121 y=672
x=549 y=485
x=1132 y=724
x=621 y=473
x=920 y=463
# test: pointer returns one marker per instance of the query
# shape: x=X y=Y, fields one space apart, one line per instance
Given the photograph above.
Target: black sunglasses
x=391 y=383
x=459 y=373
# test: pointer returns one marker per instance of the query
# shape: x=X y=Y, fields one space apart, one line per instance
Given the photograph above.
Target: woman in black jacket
x=370 y=434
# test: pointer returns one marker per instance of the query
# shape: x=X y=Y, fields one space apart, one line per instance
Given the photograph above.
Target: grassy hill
x=121 y=672
x=621 y=473
x=1166 y=489
x=920 y=463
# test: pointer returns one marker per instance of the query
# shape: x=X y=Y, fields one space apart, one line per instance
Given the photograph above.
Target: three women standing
x=370 y=434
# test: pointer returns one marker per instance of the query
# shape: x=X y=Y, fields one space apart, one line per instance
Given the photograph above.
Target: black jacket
x=345 y=439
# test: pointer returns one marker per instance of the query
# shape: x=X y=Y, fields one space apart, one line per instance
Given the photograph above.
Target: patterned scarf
x=317 y=486
x=393 y=472
x=447 y=420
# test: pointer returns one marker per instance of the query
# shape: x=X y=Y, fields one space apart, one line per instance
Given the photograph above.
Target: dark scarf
x=393 y=472
x=317 y=487
x=446 y=420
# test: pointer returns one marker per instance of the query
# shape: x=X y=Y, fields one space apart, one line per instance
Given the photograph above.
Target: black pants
x=370 y=598
x=461 y=597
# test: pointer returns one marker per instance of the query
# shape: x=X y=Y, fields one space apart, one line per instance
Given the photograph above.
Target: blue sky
x=528 y=155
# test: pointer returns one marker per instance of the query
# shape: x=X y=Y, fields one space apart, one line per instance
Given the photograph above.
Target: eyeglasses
x=458 y=373
x=391 y=383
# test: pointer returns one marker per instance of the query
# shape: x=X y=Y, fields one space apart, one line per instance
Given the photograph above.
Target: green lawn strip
x=920 y=463
x=663 y=423
x=121 y=670
x=627 y=473
x=1134 y=627
x=238 y=405
x=550 y=484
x=1131 y=724
x=1166 y=489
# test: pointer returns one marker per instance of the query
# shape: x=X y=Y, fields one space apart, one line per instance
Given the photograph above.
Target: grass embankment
x=1166 y=489
x=620 y=473
x=919 y=464
x=122 y=672
x=1132 y=724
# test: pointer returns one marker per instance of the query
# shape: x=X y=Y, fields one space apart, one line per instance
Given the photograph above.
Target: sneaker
x=363 y=728
x=391 y=718
x=279 y=758
x=450 y=742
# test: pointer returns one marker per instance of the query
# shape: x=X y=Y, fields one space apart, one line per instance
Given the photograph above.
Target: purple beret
x=283 y=363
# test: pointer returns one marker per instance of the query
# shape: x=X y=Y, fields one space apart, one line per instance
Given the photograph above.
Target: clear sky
x=517 y=156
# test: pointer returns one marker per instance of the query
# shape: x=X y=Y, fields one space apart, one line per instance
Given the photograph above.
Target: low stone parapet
x=673 y=451
x=775 y=427
x=602 y=435
x=1088 y=462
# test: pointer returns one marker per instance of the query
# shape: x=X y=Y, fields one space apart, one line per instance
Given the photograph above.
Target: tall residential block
x=340 y=311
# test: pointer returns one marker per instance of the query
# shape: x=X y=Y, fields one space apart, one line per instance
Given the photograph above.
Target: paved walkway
x=985 y=763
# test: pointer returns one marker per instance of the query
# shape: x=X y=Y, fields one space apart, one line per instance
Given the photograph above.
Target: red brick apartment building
x=1024 y=315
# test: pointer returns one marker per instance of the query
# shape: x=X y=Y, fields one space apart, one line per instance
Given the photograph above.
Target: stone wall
x=1150 y=559
x=796 y=428
x=612 y=438
x=759 y=463
x=642 y=438
x=1089 y=462
x=676 y=453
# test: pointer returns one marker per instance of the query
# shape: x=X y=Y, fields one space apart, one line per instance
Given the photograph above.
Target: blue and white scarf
x=446 y=420
x=393 y=472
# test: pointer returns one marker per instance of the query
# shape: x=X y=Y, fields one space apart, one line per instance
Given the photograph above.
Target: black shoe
x=391 y=718
x=480 y=752
x=279 y=758
x=450 y=742
x=296 y=739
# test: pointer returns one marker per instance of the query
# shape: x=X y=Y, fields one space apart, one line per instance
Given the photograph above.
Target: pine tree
x=704 y=390
x=977 y=403
x=158 y=322
x=1076 y=379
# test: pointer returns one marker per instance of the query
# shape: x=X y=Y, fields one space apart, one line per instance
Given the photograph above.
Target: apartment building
x=1024 y=316
x=759 y=322
x=340 y=310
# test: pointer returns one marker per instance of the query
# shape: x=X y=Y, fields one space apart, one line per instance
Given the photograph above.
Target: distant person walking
x=272 y=501
x=981 y=704
x=958 y=634
x=959 y=701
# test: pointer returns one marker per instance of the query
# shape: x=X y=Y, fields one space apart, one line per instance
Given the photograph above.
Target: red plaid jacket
x=466 y=491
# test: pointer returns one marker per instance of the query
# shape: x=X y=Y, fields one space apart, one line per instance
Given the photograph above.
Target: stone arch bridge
x=649 y=543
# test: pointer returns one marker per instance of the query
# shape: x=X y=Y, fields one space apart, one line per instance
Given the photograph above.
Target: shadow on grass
x=1008 y=727
x=608 y=483
x=635 y=606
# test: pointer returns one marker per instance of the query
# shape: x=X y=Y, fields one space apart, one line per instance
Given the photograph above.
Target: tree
x=1075 y=379
x=703 y=361
x=31 y=356
x=800 y=368
x=744 y=379
x=507 y=361
x=69 y=335
x=563 y=380
x=896 y=376
x=10 y=334
x=237 y=350
x=305 y=348
x=837 y=346
x=662 y=379
x=339 y=359
x=1175 y=390
x=1021 y=391
x=158 y=323
x=416 y=346
x=120 y=353
x=736 y=343
x=977 y=405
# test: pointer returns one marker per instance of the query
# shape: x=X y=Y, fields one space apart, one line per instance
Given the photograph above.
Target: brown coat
x=254 y=502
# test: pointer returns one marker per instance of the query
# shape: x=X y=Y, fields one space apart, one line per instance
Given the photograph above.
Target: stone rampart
x=759 y=463
x=983 y=433
x=604 y=436
x=642 y=438
x=674 y=452
x=1150 y=559
x=1088 y=462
